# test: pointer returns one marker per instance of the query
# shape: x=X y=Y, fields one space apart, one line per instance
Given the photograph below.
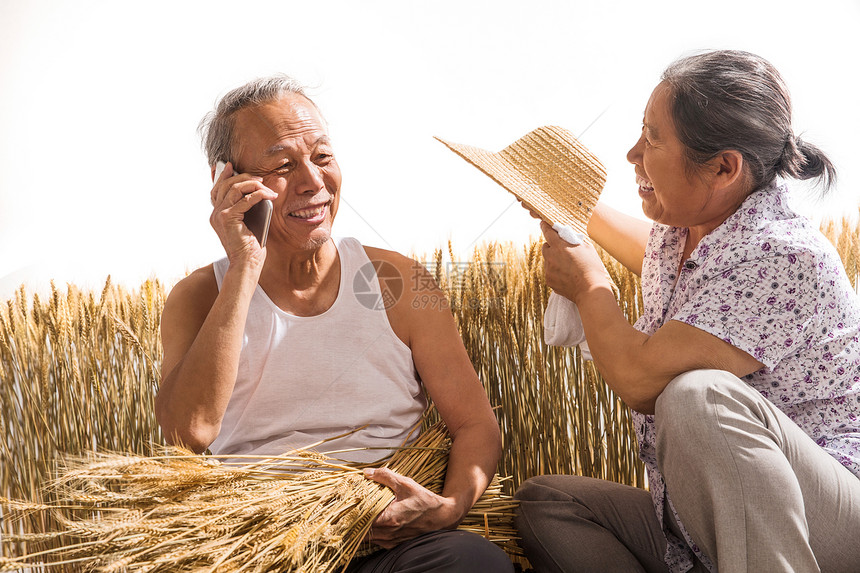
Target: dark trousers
x=444 y=551
x=574 y=524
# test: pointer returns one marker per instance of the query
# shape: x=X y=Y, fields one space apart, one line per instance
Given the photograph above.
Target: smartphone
x=258 y=217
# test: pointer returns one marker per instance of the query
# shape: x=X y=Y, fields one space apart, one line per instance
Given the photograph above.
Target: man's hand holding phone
x=242 y=211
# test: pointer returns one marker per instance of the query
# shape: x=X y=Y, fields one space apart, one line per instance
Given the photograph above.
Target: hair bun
x=813 y=163
x=791 y=160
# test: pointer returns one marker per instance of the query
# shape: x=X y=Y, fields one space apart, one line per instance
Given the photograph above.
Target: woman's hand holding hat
x=572 y=270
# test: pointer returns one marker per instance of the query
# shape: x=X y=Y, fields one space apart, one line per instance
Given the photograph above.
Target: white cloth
x=562 y=325
x=303 y=379
x=568 y=234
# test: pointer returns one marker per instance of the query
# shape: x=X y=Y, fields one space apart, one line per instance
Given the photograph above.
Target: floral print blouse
x=769 y=283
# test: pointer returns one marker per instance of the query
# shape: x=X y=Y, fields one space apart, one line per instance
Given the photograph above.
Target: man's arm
x=424 y=318
x=201 y=331
x=201 y=327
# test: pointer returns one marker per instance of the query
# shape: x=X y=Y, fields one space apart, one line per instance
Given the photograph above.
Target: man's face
x=286 y=143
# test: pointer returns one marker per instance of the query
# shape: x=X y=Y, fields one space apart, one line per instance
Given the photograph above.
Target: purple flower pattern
x=767 y=282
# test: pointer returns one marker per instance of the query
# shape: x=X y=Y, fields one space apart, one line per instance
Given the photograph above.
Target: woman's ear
x=728 y=169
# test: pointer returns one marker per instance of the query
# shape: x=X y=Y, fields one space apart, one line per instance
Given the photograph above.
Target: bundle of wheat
x=182 y=512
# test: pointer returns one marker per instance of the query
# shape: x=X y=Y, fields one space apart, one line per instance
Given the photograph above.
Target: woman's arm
x=635 y=365
x=622 y=236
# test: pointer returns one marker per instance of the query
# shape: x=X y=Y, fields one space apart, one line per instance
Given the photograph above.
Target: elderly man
x=279 y=347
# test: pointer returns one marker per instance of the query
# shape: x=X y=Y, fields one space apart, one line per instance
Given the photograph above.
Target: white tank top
x=303 y=379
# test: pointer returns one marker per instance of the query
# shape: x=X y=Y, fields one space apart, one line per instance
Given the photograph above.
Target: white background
x=101 y=170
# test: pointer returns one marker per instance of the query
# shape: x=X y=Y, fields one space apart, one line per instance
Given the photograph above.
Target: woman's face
x=670 y=195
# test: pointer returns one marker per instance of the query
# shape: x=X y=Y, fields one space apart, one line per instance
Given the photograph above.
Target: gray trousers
x=752 y=489
x=443 y=551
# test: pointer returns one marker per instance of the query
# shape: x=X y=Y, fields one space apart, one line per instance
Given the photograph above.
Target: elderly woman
x=744 y=369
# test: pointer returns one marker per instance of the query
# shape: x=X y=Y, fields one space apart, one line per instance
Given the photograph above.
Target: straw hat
x=550 y=171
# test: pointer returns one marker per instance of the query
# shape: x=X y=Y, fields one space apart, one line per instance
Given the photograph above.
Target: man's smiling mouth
x=313 y=214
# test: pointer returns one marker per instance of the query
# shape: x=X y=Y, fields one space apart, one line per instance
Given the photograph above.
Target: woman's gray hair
x=736 y=100
x=216 y=127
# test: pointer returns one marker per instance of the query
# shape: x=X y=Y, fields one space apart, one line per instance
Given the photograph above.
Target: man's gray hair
x=217 y=127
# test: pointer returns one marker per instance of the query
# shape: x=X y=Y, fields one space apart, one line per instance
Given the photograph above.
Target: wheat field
x=79 y=372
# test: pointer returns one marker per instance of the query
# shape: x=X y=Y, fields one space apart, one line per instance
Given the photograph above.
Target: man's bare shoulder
x=416 y=279
x=185 y=311
x=418 y=291
x=393 y=257
x=193 y=295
